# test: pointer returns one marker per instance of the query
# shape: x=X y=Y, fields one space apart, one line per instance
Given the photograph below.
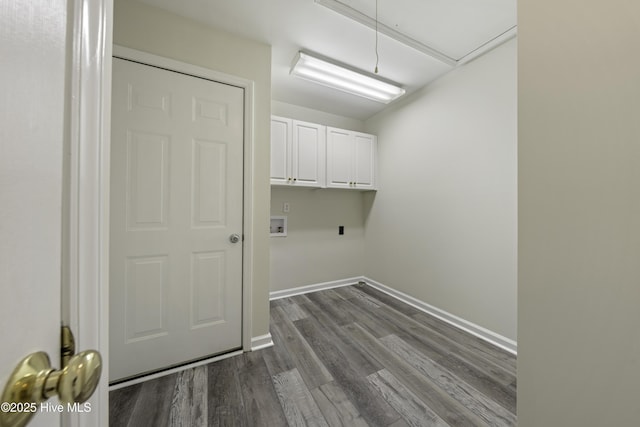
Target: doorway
x=176 y=250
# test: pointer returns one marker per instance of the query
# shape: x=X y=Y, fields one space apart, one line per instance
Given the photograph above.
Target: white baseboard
x=496 y=339
x=493 y=338
x=260 y=342
x=285 y=293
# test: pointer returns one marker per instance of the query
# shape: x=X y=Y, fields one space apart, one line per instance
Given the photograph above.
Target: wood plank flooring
x=351 y=356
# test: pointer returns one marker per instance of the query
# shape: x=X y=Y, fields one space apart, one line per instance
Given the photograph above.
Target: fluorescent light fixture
x=325 y=73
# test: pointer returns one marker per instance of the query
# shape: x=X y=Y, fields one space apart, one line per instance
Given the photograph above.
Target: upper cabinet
x=298 y=153
x=311 y=155
x=351 y=159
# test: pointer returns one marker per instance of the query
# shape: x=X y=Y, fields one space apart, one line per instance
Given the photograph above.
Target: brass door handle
x=34 y=381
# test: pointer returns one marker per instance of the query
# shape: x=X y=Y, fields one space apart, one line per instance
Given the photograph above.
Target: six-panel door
x=176 y=197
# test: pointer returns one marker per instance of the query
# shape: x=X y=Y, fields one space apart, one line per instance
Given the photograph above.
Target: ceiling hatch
x=452 y=31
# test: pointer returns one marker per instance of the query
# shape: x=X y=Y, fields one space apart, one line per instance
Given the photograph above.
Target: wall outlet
x=341 y=230
x=286 y=207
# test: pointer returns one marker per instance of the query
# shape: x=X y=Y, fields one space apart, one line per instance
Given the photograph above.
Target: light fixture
x=335 y=76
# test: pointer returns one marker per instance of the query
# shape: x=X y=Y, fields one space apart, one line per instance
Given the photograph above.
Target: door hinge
x=67 y=345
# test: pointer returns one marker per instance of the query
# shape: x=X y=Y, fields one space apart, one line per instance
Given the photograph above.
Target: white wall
x=579 y=213
x=442 y=227
x=313 y=252
x=153 y=30
x=297 y=112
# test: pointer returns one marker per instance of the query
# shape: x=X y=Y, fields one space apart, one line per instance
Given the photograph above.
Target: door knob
x=34 y=381
x=234 y=238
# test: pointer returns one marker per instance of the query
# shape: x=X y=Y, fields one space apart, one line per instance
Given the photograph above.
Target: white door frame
x=86 y=221
x=248 y=86
x=85 y=278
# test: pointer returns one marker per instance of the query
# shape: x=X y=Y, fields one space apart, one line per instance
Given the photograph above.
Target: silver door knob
x=234 y=238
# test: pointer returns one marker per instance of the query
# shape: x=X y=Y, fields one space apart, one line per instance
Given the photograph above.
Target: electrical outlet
x=341 y=230
x=286 y=207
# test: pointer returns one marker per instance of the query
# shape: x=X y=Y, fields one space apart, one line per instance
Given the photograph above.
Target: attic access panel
x=454 y=28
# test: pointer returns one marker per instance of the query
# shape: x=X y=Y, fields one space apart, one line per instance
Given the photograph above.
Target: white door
x=176 y=200
x=32 y=33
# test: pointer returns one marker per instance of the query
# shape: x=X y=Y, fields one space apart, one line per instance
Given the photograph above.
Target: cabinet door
x=364 y=169
x=308 y=154
x=339 y=158
x=280 y=150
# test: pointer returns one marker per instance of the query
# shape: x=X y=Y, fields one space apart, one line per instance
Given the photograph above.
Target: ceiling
x=418 y=40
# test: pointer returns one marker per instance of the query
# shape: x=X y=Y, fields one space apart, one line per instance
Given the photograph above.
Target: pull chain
x=377 y=56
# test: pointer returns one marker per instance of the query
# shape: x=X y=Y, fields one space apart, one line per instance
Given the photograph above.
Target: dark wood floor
x=350 y=356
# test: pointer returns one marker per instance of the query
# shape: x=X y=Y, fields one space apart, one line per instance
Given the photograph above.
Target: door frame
x=248 y=166
x=85 y=280
x=85 y=207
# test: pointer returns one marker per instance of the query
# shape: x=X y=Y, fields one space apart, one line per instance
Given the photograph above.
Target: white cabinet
x=298 y=153
x=351 y=159
x=311 y=155
x=281 y=135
